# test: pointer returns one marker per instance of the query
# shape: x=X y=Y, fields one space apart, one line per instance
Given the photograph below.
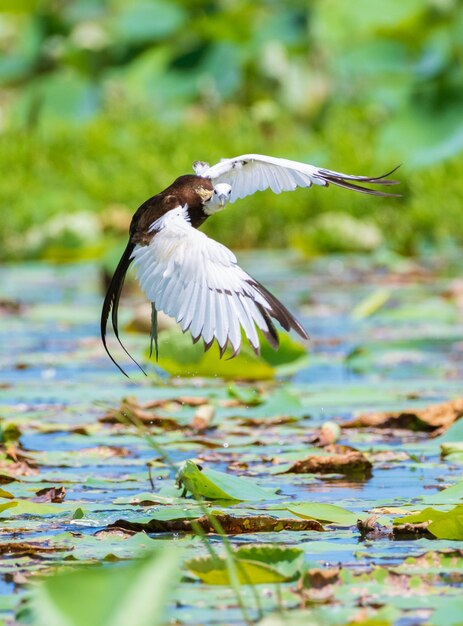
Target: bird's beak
x=222 y=198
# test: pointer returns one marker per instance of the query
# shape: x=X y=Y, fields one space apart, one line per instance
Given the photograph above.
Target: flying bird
x=197 y=280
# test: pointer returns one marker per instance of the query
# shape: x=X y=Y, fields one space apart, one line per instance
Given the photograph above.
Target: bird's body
x=197 y=280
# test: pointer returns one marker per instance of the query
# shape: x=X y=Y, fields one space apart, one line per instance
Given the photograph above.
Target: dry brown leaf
x=131 y=411
x=319 y=578
x=31 y=549
x=124 y=533
x=50 y=494
x=169 y=402
x=431 y=418
x=107 y=452
x=412 y=530
x=267 y=421
x=231 y=525
x=339 y=460
x=15 y=470
x=317 y=585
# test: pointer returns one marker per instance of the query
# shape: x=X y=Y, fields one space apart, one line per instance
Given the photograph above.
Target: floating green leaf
x=443 y=524
x=15 y=508
x=255 y=565
x=453 y=435
x=324 y=513
x=214 y=485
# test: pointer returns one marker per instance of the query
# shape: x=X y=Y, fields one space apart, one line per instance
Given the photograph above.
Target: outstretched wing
x=197 y=281
x=255 y=172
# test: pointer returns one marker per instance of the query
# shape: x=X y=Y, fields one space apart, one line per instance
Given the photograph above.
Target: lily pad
x=324 y=513
x=16 y=508
x=442 y=524
x=214 y=485
x=255 y=565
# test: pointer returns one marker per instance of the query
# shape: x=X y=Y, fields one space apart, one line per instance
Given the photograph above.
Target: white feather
x=197 y=281
x=249 y=173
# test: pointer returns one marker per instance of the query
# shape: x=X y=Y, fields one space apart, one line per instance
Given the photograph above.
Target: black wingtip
x=223 y=348
x=279 y=312
x=271 y=333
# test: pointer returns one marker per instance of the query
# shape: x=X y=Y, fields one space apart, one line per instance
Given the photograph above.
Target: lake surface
x=386 y=334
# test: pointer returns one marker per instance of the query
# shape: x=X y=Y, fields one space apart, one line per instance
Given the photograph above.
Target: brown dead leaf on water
x=123 y=533
x=412 y=530
x=50 y=494
x=14 y=452
x=318 y=585
x=389 y=456
x=319 y=578
x=437 y=417
x=279 y=420
x=337 y=460
x=130 y=411
x=31 y=549
x=231 y=525
x=179 y=400
x=11 y=470
x=106 y=452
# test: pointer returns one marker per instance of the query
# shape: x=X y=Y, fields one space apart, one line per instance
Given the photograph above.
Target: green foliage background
x=104 y=102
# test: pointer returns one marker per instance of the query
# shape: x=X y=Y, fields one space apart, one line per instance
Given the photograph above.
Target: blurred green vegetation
x=104 y=102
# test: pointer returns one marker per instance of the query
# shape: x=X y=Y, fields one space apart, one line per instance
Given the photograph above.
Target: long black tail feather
x=154 y=332
x=111 y=305
x=349 y=182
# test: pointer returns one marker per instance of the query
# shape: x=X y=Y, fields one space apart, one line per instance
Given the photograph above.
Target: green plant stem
x=231 y=561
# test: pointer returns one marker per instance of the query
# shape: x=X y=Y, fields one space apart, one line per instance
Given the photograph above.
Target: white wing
x=197 y=281
x=255 y=172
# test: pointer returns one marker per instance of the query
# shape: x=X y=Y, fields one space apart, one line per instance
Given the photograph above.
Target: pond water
x=386 y=334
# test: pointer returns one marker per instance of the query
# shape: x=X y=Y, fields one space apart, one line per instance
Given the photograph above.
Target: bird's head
x=220 y=196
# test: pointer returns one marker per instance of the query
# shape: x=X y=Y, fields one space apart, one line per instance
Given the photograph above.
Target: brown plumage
x=184 y=190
